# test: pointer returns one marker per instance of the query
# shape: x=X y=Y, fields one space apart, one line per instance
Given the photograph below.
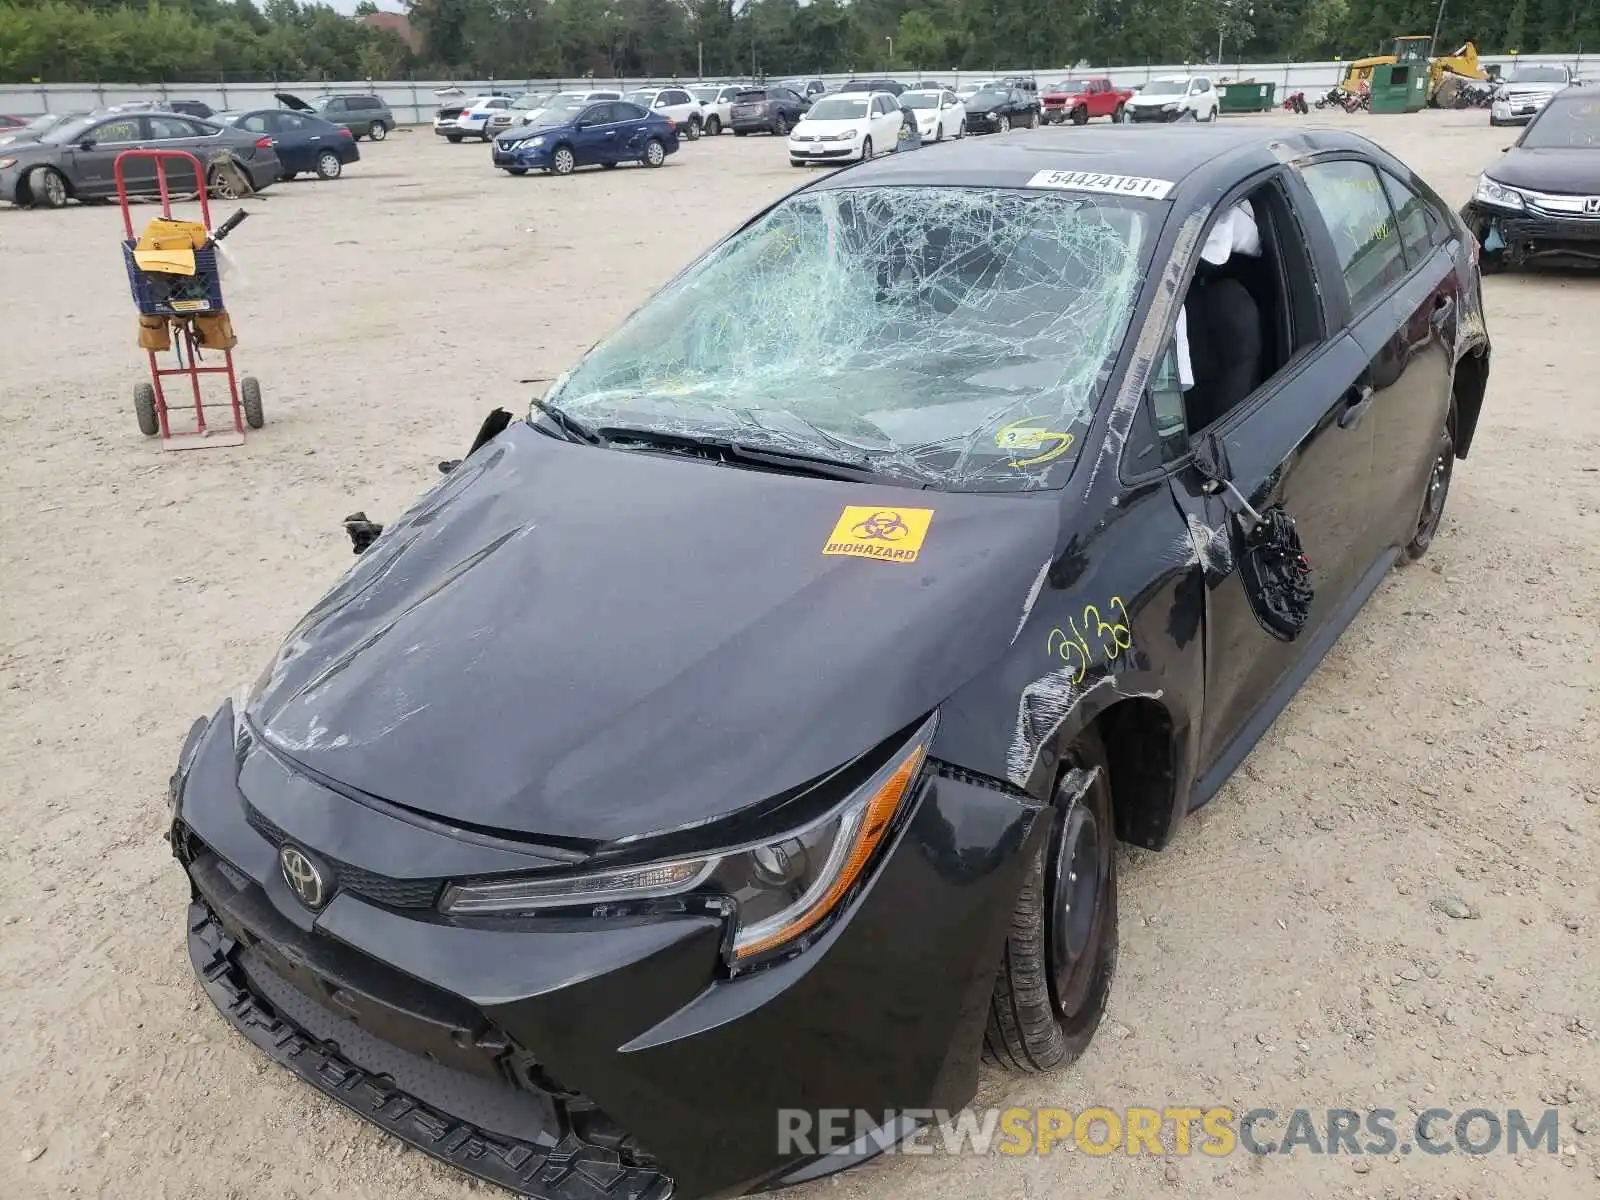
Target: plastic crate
x=159 y=295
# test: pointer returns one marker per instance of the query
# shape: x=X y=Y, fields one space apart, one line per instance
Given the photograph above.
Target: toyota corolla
x=747 y=731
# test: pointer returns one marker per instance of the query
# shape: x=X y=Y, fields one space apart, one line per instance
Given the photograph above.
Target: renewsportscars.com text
x=1179 y=1129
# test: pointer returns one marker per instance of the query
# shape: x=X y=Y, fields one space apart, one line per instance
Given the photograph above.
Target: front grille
x=380 y=889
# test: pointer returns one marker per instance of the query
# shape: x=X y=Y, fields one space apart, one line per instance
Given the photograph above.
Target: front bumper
x=1527 y=236
x=984 y=123
x=1152 y=115
x=10 y=177
x=762 y=124
x=520 y=155
x=824 y=151
x=471 y=1041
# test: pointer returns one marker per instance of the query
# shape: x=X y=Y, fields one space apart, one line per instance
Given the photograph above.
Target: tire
x=1080 y=115
x=144 y=409
x=939 y=134
x=453 y=138
x=795 y=162
x=866 y=149
x=1043 y=1013
x=219 y=186
x=1004 y=125
x=378 y=132
x=655 y=154
x=1033 y=120
x=48 y=187
x=611 y=166
x=329 y=166
x=1435 y=492
x=780 y=126
x=250 y=401
x=695 y=129
x=1117 y=117
x=517 y=170
x=486 y=137
x=563 y=161
x=740 y=132
x=288 y=176
x=713 y=125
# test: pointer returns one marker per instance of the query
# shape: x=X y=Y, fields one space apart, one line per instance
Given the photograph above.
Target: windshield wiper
x=574 y=429
x=742 y=454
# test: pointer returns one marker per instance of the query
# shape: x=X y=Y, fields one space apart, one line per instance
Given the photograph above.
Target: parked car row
x=59 y=157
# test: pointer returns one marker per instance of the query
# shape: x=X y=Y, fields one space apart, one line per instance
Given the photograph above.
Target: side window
x=623 y=111
x=1411 y=213
x=259 y=122
x=1356 y=210
x=499 y=102
x=291 y=123
x=372 y=102
x=127 y=130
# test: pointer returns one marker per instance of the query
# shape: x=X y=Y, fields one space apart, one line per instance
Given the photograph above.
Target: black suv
x=893 y=86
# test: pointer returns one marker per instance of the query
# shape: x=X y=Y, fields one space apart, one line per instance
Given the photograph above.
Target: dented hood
x=594 y=644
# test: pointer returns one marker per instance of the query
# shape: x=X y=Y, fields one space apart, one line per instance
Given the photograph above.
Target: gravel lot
x=1290 y=950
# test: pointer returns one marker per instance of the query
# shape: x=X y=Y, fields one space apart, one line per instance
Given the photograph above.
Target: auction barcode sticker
x=1093 y=181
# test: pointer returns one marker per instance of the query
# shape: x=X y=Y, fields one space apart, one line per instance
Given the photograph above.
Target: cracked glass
x=959 y=338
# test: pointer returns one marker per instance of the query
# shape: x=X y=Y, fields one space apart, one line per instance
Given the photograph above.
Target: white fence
x=413 y=102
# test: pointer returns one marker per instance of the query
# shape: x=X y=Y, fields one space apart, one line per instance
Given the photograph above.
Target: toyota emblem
x=302 y=876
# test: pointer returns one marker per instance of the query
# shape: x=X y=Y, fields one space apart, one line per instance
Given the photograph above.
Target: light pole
x=890 y=40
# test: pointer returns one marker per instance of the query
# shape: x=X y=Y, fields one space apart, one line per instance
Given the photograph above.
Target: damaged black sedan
x=746 y=733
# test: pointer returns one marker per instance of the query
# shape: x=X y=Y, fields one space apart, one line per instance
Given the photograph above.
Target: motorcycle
x=1333 y=96
x=1295 y=102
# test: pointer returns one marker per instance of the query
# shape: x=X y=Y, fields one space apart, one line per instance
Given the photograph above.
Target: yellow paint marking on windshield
x=1030 y=434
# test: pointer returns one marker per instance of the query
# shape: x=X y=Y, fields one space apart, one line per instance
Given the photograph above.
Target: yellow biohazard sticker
x=1029 y=434
x=890 y=534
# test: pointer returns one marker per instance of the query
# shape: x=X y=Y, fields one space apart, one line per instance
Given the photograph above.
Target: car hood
x=595 y=645
x=1555 y=170
x=1529 y=90
x=1145 y=100
x=982 y=106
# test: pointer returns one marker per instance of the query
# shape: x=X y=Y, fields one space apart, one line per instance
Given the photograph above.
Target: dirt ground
x=1292 y=949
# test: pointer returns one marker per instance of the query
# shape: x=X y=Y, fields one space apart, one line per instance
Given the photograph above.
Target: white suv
x=1174 y=98
x=674 y=103
x=716 y=102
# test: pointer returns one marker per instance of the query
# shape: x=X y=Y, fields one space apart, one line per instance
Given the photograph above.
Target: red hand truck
x=202 y=297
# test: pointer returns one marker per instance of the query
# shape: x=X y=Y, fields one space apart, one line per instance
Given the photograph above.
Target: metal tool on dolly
x=201 y=296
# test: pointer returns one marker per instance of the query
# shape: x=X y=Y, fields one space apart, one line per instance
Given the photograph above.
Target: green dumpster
x=1248 y=96
x=1400 y=87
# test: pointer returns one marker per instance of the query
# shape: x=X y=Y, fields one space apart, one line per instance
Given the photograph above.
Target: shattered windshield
x=957 y=336
x=1166 y=87
x=1538 y=75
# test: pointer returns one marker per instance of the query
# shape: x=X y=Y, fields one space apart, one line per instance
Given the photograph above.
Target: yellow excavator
x=1418 y=49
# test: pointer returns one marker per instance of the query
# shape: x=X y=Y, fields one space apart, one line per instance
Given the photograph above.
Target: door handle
x=1357 y=400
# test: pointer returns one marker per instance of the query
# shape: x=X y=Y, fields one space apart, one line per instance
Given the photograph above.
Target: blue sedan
x=573 y=133
x=304 y=142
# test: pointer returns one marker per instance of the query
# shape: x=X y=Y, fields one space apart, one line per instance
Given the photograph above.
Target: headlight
x=1490 y=192
x=777 y=891
x=7 y=162
x=1173 y=107
x=848 y=136
x=533 y=143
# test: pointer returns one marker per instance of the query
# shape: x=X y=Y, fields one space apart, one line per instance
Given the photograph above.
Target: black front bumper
x=1529 y=237
x=1144 y=116
x=471 y=1042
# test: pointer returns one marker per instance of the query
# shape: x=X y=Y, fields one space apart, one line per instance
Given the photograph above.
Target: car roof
x=1196 y=159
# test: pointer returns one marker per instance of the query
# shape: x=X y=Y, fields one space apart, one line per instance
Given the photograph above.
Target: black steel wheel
x=144 y=409
x=1436 y=492
x=1061 y=951
x=250 y=401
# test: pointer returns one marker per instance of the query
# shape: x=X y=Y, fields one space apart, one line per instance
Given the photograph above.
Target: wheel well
x=1137 y=736
x=25 y=188
x=1472 y=380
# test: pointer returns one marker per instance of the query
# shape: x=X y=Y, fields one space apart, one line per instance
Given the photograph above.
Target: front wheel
x=780 y=126
x=563 y=161
x=1437 y=491
x=48 y=187
x=694 y=129
x=1121 y=113
x=1061 y=951
x=866 y=150
x=713 y=125
x=654 y=153
x=453 y=138
x=378 y=132
x=1004 y=125
x=517 y=170
x=328 y=165
x=1080 y=116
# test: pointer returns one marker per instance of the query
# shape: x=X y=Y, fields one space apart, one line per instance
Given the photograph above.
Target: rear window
x=963 y=333
x=751 y=95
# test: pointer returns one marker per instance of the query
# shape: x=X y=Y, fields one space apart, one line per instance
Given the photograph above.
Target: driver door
x=596 y=137
x=94 y=157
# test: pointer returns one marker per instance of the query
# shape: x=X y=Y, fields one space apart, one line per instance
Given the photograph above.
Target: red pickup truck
x=1077 y=100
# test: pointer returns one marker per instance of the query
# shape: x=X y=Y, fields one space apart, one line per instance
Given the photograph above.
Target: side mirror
x=86 y=144
x=1505 y=149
